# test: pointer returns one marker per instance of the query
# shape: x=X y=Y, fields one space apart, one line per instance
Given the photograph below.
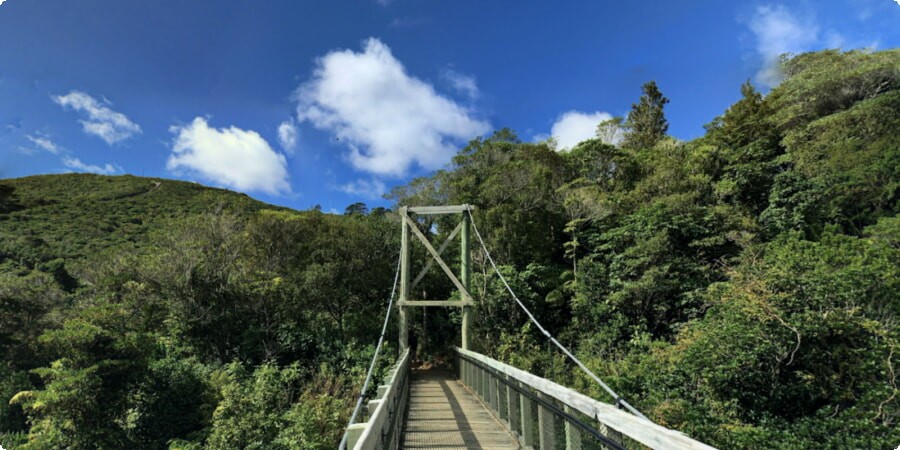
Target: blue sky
x=300 y=103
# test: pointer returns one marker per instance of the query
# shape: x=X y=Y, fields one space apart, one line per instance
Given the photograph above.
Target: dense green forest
x=741 y=287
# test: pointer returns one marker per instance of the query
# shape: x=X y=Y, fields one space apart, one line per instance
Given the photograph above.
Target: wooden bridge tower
x=462 y=283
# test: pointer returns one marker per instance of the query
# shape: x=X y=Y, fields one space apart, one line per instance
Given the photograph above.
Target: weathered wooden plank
x=636 y=428
x=430 y=210
x=436 y=303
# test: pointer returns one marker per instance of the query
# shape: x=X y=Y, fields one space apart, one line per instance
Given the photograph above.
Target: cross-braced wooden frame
x=462 y=283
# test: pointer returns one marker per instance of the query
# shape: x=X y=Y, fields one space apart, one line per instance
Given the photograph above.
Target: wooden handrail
x=636 y=428
x=382 y=417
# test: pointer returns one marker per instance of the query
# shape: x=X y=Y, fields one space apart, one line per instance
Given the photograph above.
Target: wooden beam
x=465 y=274
x=436 y=303
x=432 y=210
x=404 y=280
x=440 y=252
x=437 y=257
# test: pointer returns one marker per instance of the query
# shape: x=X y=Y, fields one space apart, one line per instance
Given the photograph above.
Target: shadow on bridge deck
x=442 y=414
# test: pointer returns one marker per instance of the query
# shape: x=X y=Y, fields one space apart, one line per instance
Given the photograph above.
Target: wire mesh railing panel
x=545 y=415
x=538 y=421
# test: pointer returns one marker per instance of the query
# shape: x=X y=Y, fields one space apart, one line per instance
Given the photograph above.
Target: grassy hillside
x=77 y=217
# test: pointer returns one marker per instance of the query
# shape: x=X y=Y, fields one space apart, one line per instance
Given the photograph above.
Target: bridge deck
x=443 y=414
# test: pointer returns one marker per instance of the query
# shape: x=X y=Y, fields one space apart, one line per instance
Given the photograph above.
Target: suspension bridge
x=483 y=403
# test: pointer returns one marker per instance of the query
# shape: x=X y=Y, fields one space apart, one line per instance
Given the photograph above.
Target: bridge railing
x=546 y=415
x=385 y=411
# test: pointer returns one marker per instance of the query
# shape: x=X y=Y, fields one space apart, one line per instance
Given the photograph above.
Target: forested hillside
x=741 y=287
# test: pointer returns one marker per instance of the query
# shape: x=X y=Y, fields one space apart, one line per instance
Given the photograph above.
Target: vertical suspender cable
x=362 y=393
x=619 y=400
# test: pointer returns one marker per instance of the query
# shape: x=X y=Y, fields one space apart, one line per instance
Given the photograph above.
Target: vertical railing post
x=498 y=398
x=612 y=434
x=512 y=405
x=492 y=390
x=527 y=420
x=546 y=426
x=573 y=434
x=485 y=386
x=404 y=279
x=463 y=374
x=503 y=399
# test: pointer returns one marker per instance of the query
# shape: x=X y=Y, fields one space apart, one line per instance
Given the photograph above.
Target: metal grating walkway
x=443 y=414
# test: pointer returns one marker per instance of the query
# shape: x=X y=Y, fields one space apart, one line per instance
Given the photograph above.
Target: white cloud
x=372 y=189
x=462 y=83
x=779 y=31
x=287 y=136
x=44 y=143
x=109 y=125
x=388 y=119
x=76 y=165
x=573 y=127
x=231 y=157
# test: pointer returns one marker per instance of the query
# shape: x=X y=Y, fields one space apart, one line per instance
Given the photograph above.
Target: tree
x=356 y=209
x=646 y=122
x=611 y=131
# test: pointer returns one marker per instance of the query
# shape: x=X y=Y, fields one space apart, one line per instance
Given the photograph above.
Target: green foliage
x=12 y=418
x=646 y=124
x=261 y=410
x=801 y=338
x=159 y=314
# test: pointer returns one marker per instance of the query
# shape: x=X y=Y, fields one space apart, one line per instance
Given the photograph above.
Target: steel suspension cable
x=362 y=393
x=619 y=400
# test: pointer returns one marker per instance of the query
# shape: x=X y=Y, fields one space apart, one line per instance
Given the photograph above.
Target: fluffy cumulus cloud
x=76 y=165
x=575 y=126
x=372 y=189
x=287 y=136
x=388 y=119
x=100 y=120
x=462 y=83
x=230 y=157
